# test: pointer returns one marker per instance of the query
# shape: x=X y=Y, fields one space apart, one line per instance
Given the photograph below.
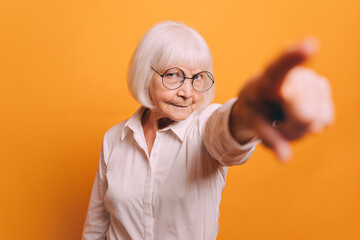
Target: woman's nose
x=186 y=89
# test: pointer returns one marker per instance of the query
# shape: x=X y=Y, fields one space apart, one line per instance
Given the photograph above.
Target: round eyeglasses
x=174 y=77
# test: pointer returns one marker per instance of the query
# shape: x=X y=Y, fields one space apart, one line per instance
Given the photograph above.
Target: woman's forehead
x=191 y=60
x=185 y=66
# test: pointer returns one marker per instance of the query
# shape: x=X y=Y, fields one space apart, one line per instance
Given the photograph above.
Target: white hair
x=164 y=45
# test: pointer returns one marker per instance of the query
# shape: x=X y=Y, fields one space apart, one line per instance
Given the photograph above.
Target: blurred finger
x=277 y=70
x=272 y=138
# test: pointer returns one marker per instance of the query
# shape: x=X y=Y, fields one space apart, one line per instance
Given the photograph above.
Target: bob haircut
x=168 y=44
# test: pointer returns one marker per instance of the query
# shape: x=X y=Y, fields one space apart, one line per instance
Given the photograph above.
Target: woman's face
x=175 y=104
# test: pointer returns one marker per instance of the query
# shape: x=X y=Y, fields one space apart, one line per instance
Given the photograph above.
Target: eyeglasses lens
x=174 y=77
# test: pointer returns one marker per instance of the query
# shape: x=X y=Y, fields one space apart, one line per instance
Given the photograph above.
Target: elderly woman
x=162 y=171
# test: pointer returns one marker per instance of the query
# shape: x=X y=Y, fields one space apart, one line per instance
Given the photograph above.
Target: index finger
x=277 y=70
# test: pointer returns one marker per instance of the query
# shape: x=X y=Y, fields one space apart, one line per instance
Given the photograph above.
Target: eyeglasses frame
x=192 y=78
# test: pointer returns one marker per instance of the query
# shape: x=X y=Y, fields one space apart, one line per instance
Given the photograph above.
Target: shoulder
x=114 y=134
x=214 y=111
x=201 y=116
x=205 y=113
x=116 y=129
x=212 y=107
x=218 y=108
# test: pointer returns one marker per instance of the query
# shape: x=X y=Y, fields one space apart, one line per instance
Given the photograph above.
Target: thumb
x=272 y=138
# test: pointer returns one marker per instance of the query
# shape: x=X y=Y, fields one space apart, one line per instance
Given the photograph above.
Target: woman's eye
x=198 y=77
x=172 y=75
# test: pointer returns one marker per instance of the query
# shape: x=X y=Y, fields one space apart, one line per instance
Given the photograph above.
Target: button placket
x=148 y=195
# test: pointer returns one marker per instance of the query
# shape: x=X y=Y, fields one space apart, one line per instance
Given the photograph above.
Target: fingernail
x=285 y=154
x=309 y=45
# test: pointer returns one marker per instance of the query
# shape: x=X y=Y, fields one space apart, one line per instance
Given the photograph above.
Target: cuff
x=219 y=141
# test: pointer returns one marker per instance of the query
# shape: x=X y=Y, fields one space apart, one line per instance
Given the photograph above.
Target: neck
x=154 y=121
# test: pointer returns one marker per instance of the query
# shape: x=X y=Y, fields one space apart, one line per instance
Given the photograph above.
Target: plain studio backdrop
x=63 y=71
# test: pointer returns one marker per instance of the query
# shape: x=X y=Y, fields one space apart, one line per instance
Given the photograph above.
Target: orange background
x=63 y=71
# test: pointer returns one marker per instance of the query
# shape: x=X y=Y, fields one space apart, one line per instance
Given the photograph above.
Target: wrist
x=240 y=128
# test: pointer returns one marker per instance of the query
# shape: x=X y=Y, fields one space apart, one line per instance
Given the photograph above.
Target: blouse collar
x=178 y=128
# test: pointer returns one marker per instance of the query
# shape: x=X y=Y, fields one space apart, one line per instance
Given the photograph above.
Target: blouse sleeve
x=98 y=219
x=220 y=143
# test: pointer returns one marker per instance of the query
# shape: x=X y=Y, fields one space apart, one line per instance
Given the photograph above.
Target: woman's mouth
x=179 y=106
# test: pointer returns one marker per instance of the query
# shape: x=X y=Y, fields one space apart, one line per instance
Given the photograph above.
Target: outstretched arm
x=296 y=98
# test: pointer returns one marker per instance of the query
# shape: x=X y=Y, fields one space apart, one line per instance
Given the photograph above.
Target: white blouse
x=175 y=192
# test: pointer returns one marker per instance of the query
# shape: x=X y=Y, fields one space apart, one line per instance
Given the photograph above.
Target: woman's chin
x=180 y=115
